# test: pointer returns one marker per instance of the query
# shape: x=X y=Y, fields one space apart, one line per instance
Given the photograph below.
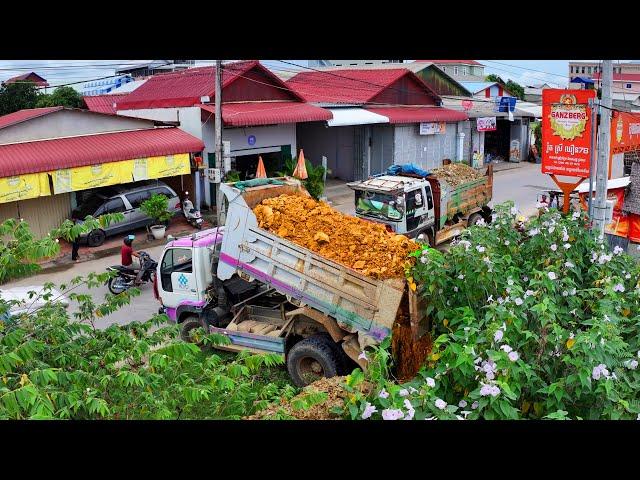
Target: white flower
x=513 y=356
x=569 y=264
x=618 y=250
x=627 y=276
x=455 y=289
x=368 y=411
x=565 y=293
x=618 y=288
x=465 y=243
x=383 y=394
x=518 y=301
x=490 y=299
x=392 y=414
x=551 y=229
x=506 y=242
x=500 y=300
x=533 y=232
x=363 y=356
x=441 y=404
x=481 y=223
x=567 y=246
x=404 y=392
x=423 y=260
x=510 y=281
x=576 y=215
x=528 y=293
x=525 y=279
x=508 y=289
x=462 y=404
x=474 y=405
x=431 y=382
x=461 y=277
x=554 y=247
x=631 y=364
x=551 y=275
x=480 y=248
x=410 y=410
x=571 y=335
x=421 y=236
x=573 y=291
x=506 y=348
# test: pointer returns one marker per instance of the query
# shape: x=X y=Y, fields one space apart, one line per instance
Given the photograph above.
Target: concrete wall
x=66 y=123
x=425 y=151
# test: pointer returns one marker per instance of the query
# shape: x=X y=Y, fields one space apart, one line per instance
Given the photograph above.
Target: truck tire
x=189 y=324
x=474 y=218
x=310 y=360
x=344 y=363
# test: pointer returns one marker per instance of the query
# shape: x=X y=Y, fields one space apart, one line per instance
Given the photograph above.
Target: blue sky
x=59 y=72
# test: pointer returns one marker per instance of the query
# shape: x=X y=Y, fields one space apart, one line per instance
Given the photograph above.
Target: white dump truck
x=267 y=294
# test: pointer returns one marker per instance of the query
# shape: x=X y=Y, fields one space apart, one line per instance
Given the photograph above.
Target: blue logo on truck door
x=183 y=281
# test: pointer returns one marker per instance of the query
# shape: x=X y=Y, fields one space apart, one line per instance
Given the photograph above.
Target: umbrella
x=261 y=172
x=301 y=169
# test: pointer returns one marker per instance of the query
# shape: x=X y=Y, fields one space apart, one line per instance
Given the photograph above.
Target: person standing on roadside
x=75 y=245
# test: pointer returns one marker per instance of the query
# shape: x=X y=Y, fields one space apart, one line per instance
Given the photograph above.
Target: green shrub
x=535 y=323
x=157 y=207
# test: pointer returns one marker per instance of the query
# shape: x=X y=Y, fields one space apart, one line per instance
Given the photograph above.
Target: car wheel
x=96 y=238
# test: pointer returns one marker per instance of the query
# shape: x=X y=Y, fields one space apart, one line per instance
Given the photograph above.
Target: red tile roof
x=267 y=113
x=447 y=62
x=103 y=103
x=48 y=155
x=622 y=77
x=401 y=114
x=185 y=88
x=41 y=83
x=355 y=86
x=24 y=115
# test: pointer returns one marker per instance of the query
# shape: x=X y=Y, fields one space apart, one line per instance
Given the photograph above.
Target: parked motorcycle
x=193 y=216
x=127 y=275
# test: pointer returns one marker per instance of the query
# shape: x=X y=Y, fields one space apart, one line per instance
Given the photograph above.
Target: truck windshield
x=378 y=205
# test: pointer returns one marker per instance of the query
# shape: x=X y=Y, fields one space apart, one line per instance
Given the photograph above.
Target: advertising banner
x=22 y=187
x=487 y=124
x=434 y=128
x=566 y=132
x=168 y=166
x=625 y=132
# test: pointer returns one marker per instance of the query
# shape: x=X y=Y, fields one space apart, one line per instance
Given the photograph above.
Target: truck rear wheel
x=311 y=359
x=474 y=218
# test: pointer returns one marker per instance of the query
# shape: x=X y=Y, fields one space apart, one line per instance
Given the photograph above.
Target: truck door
x=177 y=280
x=429 y=213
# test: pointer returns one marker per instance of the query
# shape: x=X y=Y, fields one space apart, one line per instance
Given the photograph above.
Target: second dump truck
x=411 y=204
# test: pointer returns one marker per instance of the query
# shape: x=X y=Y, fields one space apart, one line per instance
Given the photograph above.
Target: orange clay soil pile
x=359 y=244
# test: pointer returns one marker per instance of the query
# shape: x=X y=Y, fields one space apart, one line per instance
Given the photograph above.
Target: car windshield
x=88 y=206
x=378 y=205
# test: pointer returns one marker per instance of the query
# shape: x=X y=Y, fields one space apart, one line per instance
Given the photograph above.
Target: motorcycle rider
x=187 y=205
x=126 y=254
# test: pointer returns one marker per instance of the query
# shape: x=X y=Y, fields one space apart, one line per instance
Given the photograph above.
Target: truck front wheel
x=188 y=330
x=311 y=359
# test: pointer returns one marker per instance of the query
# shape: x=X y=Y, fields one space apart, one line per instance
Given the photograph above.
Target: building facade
x=460 y=70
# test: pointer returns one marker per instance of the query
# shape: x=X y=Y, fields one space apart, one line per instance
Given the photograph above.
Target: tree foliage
x=63 y=97
x=17 y=96
x=57 y=365
x=515 y=88
x=314 y=183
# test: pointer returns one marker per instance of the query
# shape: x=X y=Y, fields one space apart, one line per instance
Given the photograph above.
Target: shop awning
x=268 y=113
x=401 y=114
x=354 y=116
x=63 y=153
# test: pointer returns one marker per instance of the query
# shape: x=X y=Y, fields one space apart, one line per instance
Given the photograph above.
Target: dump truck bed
x=461 y=199
x=358 y=303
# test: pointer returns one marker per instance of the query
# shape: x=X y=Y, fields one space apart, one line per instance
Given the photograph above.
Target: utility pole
x=602 y=169
x=592 y=157
x=220 y=213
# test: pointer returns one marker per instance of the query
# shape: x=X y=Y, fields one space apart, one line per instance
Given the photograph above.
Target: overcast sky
x=59 y=72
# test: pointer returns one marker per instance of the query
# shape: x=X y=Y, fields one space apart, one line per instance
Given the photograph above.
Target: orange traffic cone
x=261 y=172
x=301 y=169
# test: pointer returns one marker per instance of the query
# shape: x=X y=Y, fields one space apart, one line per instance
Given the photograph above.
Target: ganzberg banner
x=566 y=132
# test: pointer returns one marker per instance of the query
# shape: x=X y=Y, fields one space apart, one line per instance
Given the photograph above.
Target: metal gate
x=359 y=153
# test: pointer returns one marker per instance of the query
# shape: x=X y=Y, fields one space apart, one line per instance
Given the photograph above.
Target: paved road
x=141 y=308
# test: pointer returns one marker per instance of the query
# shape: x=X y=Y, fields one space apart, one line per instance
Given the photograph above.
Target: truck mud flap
x=250 y=341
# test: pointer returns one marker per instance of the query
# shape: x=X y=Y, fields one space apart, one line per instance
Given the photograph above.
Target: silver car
x=125 y=199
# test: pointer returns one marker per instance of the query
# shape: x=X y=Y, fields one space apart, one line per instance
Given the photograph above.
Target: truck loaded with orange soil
x=341 y=281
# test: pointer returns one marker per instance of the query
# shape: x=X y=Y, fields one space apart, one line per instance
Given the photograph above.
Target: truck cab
x=404 y=205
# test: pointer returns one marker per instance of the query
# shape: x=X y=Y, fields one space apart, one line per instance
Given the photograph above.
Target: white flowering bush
x=530 y=320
